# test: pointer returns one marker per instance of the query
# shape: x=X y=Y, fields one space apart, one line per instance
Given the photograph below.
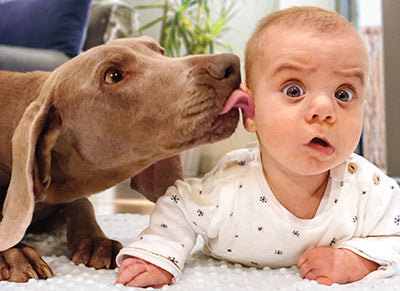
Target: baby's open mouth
x=319 y=141
x=321 y=146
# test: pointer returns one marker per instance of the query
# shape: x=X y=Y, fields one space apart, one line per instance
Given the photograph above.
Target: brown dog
x=117 y=111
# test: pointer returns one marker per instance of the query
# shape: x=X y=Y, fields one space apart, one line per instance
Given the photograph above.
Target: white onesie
x=241 y=221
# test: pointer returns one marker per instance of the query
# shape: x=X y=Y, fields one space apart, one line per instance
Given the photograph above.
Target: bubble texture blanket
x=201 y=272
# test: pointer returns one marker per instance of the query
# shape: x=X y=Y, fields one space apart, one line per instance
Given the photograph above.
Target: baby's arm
x=167 y=241
x=135 y=272
x=328 y=265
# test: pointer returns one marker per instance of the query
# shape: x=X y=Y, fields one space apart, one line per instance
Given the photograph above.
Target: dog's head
x=118 y=109
x=150 y=105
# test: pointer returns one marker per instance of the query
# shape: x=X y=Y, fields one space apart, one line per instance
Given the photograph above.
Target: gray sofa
x=25 y=59
x=107 y=20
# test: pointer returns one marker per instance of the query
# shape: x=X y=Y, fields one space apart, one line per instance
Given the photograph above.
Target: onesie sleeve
x=378 y=237
x=170 y=236
x=189 y=208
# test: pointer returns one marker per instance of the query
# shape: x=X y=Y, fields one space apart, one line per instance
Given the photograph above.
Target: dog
x=117 y=111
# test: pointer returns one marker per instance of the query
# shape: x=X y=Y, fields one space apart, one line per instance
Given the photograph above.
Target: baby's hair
x=315 y=18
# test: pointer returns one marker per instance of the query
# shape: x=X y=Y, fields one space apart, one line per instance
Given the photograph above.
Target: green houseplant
x=190 y=26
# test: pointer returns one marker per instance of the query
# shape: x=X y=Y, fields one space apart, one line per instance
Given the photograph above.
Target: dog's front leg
x=85 y=238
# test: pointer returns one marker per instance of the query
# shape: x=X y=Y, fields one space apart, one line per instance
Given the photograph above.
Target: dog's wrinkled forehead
x=120 y=53
x=143 y=44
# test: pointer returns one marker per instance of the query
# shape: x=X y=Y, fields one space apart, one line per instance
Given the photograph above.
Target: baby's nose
x=322 y=109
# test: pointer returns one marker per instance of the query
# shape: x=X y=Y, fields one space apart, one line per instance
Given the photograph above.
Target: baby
x=298 y=196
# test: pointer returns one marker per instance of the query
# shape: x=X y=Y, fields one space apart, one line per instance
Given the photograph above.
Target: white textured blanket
x=200 y=273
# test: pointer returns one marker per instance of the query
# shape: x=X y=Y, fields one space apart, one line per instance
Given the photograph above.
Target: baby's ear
x=248 y=122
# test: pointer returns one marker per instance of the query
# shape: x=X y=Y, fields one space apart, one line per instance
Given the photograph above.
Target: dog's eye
x=113 y=76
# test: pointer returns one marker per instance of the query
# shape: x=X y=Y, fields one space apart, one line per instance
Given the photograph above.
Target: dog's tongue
x=239 y=99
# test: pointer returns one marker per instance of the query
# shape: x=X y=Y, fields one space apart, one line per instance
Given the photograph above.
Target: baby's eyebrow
x=292 y=66
x=356 y=72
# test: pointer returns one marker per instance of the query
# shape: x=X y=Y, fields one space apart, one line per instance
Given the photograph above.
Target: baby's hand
x=328 y=265
x=136 y=272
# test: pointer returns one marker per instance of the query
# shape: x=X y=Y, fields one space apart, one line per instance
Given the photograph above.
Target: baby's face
x=308 y=91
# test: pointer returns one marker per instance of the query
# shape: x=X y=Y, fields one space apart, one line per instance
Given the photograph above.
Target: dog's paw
x=21 y=263
x=99 y=252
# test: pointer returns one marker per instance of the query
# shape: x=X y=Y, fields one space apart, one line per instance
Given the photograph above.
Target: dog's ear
x=154 y=180
x=32 y=142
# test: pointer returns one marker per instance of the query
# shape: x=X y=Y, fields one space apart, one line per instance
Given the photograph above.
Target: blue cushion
x=48 y=24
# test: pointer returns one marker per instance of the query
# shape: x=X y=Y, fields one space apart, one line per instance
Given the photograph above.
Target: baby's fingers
x=150 y=279
x=324 y=281
x=304 y=265
x=302 y=260
x=128 y=272
x=316 y=275
x=142 y=280
x=127 y=262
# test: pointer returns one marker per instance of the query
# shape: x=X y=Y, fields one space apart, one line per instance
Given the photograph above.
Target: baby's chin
x=312 y=172
x=312 y=168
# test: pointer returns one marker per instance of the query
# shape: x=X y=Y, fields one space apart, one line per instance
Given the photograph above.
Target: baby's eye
x=344 y=95
x=293 y=90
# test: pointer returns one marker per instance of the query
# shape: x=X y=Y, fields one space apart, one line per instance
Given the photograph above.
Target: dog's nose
x=225 y=66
